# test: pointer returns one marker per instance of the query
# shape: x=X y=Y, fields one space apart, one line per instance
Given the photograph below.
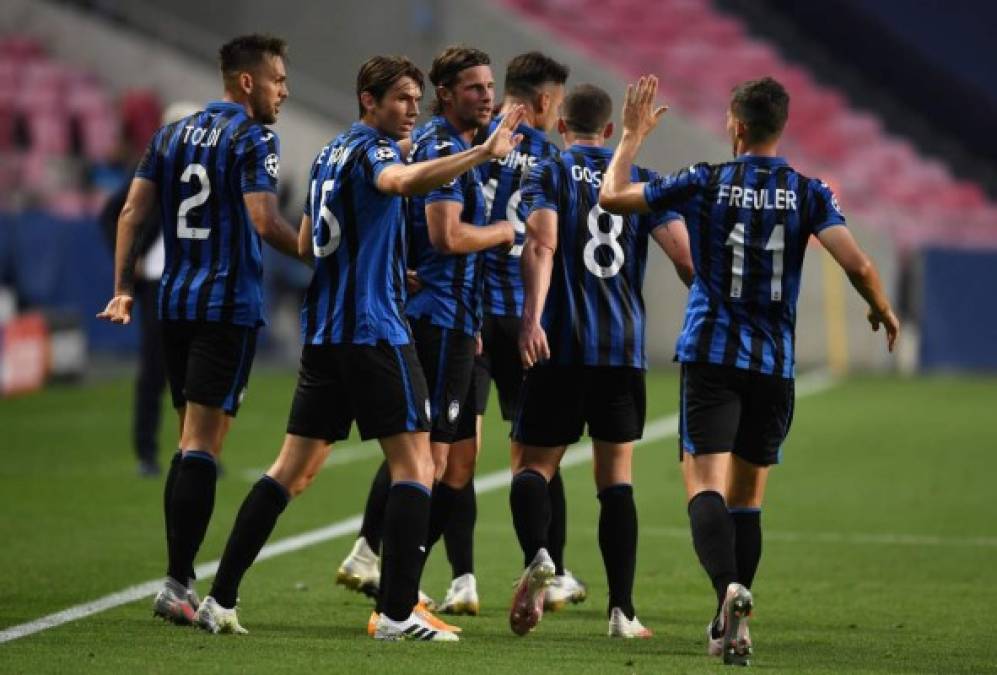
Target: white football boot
x=214 y=618
x=622 y=627
x=563 y=589
x=414 y=627
x=462 y=596
x=734 y=643
x=528 y=601
x=361 y=570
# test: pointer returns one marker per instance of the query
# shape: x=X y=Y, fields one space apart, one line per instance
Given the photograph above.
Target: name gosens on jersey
x=594 y=311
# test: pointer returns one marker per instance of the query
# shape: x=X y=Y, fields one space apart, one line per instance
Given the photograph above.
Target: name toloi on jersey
x=201 y=136
x=748 y=198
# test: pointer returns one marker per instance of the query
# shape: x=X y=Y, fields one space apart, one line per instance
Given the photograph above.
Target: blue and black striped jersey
x=501 y=179
x=594 y=311
x=357 y=293
x=203 y=165
x=451 y=284
x=749 y=222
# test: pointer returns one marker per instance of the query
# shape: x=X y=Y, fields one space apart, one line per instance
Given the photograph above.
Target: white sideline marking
x=656 y=430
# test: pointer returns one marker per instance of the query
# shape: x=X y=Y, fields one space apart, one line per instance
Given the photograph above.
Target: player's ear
x=246 y=82
x=367 y=101
x=542 y=104
x=608 y=131
x=442 y=94
x=562 y=128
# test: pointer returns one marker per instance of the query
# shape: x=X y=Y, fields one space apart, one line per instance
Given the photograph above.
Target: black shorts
x=728 y=409
x=499 y=360
x=447 y=357
x=380 y=386
x=557 y=402
x=208 y=362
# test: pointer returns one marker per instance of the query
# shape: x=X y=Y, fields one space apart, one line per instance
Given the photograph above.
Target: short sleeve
x=539 y=187
x=671 y=192
x=432 y=148
x=151 y=163
x=258 y=160
x=822 y=207
x=378 y=156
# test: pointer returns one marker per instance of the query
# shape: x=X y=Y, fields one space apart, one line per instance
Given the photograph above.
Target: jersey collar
x=219 y=106
x=596 y=150
x=444 y=123
x=761 y=161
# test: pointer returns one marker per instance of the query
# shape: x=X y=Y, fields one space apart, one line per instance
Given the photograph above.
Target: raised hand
x=504 y=139
x=118 y=310
x=640 y=115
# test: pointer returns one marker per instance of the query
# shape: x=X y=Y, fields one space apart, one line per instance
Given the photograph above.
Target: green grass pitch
x=880 y=543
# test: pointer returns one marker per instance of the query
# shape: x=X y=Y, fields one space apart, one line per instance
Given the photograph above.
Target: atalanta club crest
x=453 y=411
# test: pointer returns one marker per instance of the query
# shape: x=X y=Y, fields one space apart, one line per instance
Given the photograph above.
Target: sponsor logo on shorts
x=453 y=411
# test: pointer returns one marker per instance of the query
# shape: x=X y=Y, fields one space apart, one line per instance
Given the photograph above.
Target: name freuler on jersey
x=744 y=197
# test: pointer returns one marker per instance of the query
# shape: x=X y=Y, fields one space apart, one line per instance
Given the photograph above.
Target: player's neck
x=467 y=133
x=529 y=119
x=770 y=149
x=586 y=141
x=238 y=99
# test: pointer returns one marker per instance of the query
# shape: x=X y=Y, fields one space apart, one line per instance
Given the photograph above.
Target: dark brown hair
x=246 y=52
x=528 y=72
x=378 y=74
x=586 y=109
x=763 y=106
x=448 y=65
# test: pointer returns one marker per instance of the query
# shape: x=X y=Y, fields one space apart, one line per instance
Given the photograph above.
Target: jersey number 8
x=601 y=238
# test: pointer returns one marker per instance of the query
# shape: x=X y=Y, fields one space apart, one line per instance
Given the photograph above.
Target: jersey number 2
x=776 y=244
x=192 y=202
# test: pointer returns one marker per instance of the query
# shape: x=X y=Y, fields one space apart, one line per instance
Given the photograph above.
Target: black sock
x=193 y=502
x=529 y=499
x=440 y=510
x=747 y=542
x=459 y=535
x=256 y=520
x=557 y=533
x=713 y=539
x=171 y=479
x=373 y=513
x=406 y=523
x=618 y=543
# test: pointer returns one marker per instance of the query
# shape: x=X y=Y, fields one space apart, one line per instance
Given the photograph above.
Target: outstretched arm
x=640 y=115
x=421 y=177
x=862 y=273
x=537 y=262
x=134 y=216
